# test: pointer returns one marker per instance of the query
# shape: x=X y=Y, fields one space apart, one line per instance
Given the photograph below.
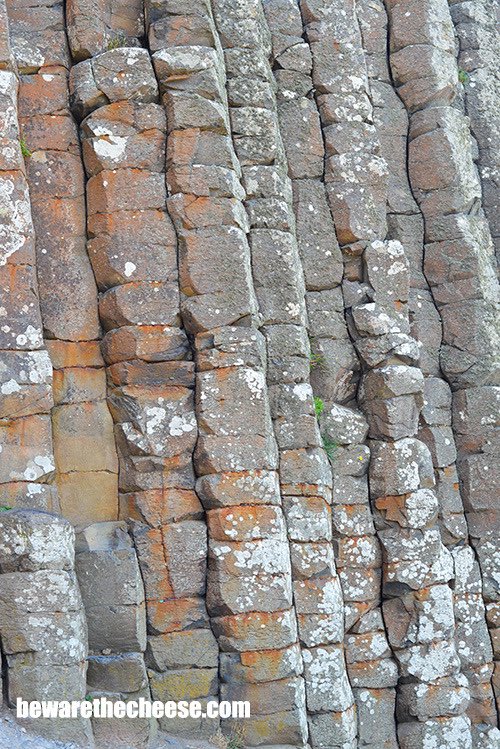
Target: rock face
x=249 y=367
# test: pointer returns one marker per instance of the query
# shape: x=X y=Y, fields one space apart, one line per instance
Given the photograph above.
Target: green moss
x=24 y=148
x=463 y=76
x=319 y=406
x=329 y=446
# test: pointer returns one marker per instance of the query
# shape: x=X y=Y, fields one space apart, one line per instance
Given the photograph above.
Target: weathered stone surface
x=112 y=589
x=249 y=309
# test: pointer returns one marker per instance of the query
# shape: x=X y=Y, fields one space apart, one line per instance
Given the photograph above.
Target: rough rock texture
x=249 y=368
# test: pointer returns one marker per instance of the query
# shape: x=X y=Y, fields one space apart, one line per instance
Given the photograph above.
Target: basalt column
x=133 y=251
x=249 y=594
x=304 y=470
x=459 y=265
x=405 y=223
x=27 y=460
x=86 y=478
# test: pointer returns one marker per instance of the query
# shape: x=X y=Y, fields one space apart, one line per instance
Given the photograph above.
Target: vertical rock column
x=42 y=621
x=86 y=478
x=305 y=475
x=353 y=182
x=476 y=26
x=405 y=223
x=249 y=593
x=113 y=596
x=459 y=267
x=26 y=451
x=133 y=251
x=418 y=610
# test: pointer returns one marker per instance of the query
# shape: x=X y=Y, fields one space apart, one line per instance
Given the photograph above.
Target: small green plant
x=316 y=360
x=319 y=406
x=329 y=446
x=120 y=40
x=463 y=76
x=24 y=148
x=4 y=508
x=235 y=741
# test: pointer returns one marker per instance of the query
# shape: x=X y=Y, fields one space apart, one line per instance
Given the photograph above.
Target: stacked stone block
x=67 y=297
x=459 y=265
x=405 y=223
x=304 y=471
x=27 y=463
x=113 y=595
x=418 y=610
x=133 y=251
x=355 y=179
x=42 y=620
x=249 y=593
x=95 y=26
x=476 y=27
x=234 y=248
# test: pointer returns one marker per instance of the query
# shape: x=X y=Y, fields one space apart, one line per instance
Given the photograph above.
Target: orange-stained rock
x=124 y=134
x=32 y=496
x=482 y=705
x=261 y=665
x=74 y=354
x=153 y=563
x=245 y=523
x=83 y=438
x=58 y=219
x=153 y=224
x=86 y=22
x=258 y=630
x=160 y=506
x=180 y=374
x=176 y=614
x=88 y=497
x=146 y=342
x=128 y=17
x=43 y=93
x=26 y=449
x=78 y=385
x=239 y=488
x=51 y=133
x=172 y=559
